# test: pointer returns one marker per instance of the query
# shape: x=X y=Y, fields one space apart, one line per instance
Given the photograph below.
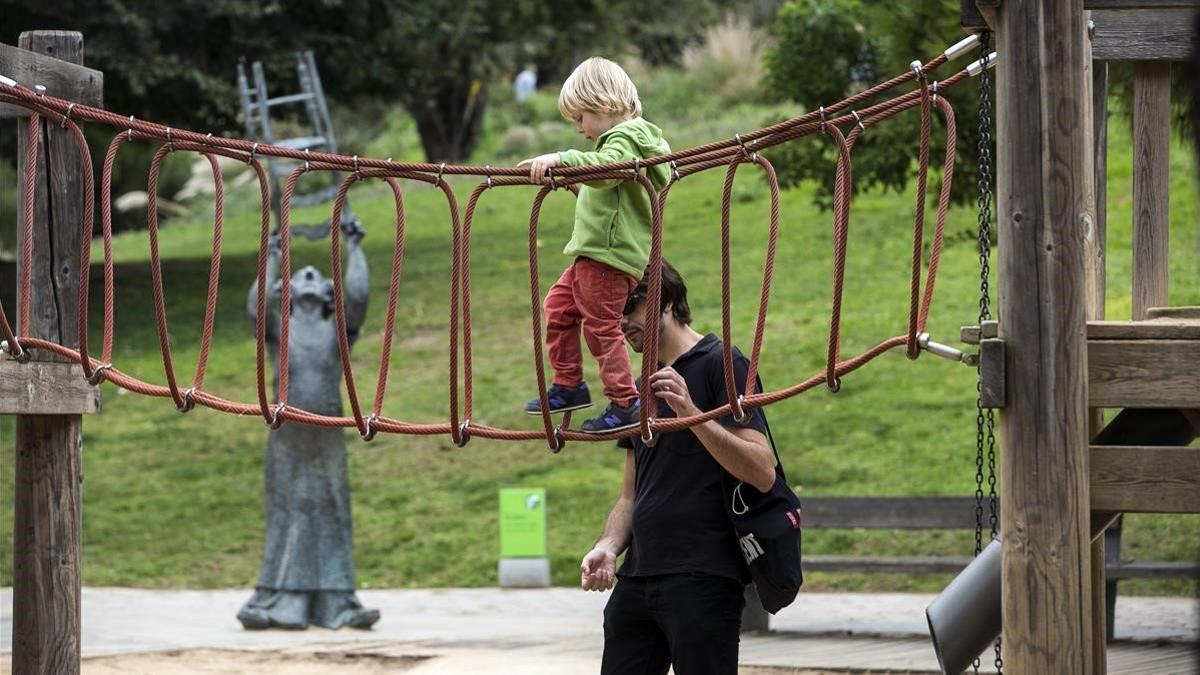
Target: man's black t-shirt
x=680 y=520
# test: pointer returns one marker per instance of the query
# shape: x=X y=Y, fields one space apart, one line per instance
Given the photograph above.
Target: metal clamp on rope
x=835 y=386
x=130 y=130
x=858 y=121
x=20 y=356
x=67 y=116
x=675 y=171
x=357 y=173
x=307 y=154
x=40 y=89
x=933 y=91
x=976 y=67
x=743 y=415
x=253 y=151
x=188 y=403
x=8 y=81
x=97 y=375
x=464 y=433
x=652 y=438
x=369 y=423
x=824 y=122
x=945 y=351
x=917 y=69
x=559 y=441
x=276 y=421
x=441 y=170
x=488 y=167
x=746 y=153
x=553 y=182
x=961 y=47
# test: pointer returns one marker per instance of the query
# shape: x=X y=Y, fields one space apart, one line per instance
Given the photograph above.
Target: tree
x=826 y=50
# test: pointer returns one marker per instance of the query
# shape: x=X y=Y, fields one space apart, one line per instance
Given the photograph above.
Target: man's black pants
x=686 y=620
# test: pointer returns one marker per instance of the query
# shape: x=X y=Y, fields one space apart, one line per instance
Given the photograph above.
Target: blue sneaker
x=614 y=418
x=561 y=399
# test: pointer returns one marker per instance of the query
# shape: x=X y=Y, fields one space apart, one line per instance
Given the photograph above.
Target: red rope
x=729 y=153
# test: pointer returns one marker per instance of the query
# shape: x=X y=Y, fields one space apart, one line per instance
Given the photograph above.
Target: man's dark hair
x=674 y=292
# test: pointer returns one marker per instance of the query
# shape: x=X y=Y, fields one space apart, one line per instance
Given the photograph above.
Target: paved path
x=558 y=630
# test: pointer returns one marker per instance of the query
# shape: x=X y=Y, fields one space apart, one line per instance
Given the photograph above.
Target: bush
x=728 y=62
x=518 y=141
x=828 y=49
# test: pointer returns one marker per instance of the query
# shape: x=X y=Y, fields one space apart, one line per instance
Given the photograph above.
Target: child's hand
x=538 y=166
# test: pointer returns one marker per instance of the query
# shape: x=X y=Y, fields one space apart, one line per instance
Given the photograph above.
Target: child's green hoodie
x=612 y=217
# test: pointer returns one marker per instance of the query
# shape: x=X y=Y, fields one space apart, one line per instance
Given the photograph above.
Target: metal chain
x=986 y=420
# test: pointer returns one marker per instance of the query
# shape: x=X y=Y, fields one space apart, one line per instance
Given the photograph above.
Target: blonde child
x=609 y=246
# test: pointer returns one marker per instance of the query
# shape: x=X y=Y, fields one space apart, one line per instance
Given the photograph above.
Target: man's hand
x=669 y=385
x=598 y=570
x=539 y=165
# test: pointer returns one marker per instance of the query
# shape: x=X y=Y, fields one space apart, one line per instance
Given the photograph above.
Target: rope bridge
x=729 y=153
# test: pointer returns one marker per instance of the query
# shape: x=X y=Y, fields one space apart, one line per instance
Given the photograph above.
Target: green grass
x=175 y=500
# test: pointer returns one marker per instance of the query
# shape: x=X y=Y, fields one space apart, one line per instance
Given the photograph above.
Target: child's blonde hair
x=598 y=86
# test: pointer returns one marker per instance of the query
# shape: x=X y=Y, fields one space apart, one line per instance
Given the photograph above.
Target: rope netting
x=729 y=153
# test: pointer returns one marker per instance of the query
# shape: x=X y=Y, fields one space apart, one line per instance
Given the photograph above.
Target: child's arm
x=617 y=148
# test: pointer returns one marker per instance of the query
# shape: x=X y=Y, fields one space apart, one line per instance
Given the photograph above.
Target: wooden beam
x=37 y=388
x=1094 y=268
x=1044 y=212
x=1152 y=329
x=48 y=499
x=1144 y=373
x=1146 y=34
x=61 y=78
x=1151 y=184
x=901 y=513
x=1145 y=479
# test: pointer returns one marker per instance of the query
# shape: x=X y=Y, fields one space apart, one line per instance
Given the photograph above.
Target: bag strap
x=770 y=438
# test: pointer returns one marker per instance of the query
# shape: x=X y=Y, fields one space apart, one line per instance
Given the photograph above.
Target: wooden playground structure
x=1060 y=362
x=1063 y=362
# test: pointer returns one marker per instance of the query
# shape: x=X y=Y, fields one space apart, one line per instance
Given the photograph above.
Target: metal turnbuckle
x=946 y=351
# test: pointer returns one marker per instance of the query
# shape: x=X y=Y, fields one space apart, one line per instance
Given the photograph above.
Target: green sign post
x=522 y=523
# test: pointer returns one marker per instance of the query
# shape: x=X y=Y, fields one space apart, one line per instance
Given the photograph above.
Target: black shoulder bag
x=768 y=531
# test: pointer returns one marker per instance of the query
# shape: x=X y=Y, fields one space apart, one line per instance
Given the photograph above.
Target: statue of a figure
x=307 y=572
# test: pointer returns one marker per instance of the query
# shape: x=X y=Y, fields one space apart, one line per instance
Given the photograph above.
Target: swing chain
x=985 y=419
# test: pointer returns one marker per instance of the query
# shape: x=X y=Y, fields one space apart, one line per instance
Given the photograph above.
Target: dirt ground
x=220 y=662
x=231 y=662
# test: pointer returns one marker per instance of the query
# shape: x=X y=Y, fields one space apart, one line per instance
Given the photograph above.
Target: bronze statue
x=307 y=575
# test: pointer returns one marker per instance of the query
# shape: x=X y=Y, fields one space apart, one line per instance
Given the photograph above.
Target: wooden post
x=46 y=551
x=1044 y=214
x=1151 y=183
x=1095 y=252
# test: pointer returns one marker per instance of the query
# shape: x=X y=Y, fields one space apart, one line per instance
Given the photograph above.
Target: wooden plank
x=1151 y=184
x=1154 y=570
x=1152 y=329
x=1152 y=479
x=61 y=78
x=954 y=564
x=37 y=388
x=48 y=502
x=889 y=512
x=873 y=565
x=1094 y=268
x=1182 y=313
x=1144 y=373
x=1044 y=195
x=1147 y=34
x=1139 y=4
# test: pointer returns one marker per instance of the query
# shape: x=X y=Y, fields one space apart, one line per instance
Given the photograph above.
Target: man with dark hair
x=680 y=597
